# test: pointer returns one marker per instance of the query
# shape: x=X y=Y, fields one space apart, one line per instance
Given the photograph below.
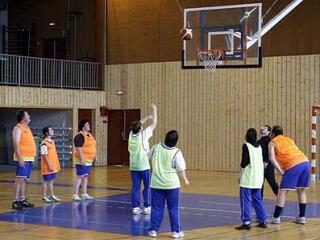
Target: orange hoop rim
x=212 y=52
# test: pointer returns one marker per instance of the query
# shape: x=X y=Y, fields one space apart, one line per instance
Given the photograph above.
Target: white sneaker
x=76 y=197
x=178 y=234
x=136 y=211
x=152 y=234
x=86 y=196
x=274 y=220
x=46 y=199
x=55 y=198
x=147 y=211
x=300 y=220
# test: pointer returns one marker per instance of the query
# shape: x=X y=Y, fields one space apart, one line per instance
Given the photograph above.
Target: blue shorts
x=82 y=170
x=49 y=177
x=24 y=172
x=296 y=177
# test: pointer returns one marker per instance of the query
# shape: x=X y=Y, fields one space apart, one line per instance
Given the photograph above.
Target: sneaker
x=25 y=204
x=55 y=198
x=178 y=234
x=136 y=211
x=86 y=196
x=16 y=205
x=76 y=197
x=262 y=225
x=244 y=227
x=274 y=220
x=147 y=211
x=46 y=199
x=300 y=220
x=152 y=234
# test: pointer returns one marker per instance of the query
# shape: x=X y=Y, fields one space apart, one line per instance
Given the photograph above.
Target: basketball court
x=207 y=210
x=211 y=83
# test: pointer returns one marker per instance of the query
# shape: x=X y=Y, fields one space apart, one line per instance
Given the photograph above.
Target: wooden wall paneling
x=187 y=109
x=268 y=91
x=206 y=127
x=312 y=83
x=193 y=111
x=203 y=129
x=236 y=115
x=211 y=124
x=294 y=96
x=226 y=122
x=282 y=92
x=230 y=132
x=287 y=74
x=301 y=140
x=273 y=81
x=308 y=94
x=298 y=99
x=303 y=101
x=193 y=134
x=213 y=111
x=221 y=118
x=176 y=93
x=259 y=95
x=156 y=93
x=289 y=102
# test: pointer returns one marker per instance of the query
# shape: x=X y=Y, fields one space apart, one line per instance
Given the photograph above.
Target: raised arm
x=154 y=118
x=272 y=157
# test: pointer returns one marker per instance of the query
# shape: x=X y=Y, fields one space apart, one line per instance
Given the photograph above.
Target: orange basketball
x=186 y=34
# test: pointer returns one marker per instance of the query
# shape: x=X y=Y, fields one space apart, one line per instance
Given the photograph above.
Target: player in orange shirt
x=24 y=154
x=49 y=164
x=294 y=167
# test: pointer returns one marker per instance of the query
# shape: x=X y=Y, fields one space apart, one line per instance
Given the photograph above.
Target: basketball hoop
x=210 y=58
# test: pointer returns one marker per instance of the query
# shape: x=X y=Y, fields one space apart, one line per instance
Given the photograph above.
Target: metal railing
x=43 y=72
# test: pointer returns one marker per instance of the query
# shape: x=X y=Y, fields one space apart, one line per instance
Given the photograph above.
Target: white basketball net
x=210 y=59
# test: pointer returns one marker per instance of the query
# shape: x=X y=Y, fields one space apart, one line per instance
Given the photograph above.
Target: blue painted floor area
x=113 y=214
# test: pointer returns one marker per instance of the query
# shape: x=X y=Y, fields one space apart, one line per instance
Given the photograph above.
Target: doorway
x=54 y=48
x=118 y=134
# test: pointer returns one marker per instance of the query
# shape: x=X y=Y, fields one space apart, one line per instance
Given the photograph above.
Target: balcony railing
x=43 y=72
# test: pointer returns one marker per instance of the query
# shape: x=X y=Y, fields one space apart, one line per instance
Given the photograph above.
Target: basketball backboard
x=235 y=29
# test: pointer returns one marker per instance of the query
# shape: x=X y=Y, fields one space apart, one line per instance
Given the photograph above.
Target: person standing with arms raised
x=138 y=147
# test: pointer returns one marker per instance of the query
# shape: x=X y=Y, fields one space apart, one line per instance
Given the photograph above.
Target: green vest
x=253 y=174
x=138 y=155
x=164 y=175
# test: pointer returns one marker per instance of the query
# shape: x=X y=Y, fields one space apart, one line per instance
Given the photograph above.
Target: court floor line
x=72 y=220
x=113 y=214
x=190 y=208
x=71 y=185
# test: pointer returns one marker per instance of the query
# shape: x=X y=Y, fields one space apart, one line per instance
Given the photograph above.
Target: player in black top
x=268 y=167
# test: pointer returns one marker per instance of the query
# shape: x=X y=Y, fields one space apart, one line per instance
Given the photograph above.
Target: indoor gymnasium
x=159 y=119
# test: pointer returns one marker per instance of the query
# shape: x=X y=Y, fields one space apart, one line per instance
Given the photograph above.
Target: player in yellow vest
x=167 y=163
x=49 y=164
x=294 y=167
x=138 y=147
x=84 y=154
x=251 y=181
x=24 y=154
